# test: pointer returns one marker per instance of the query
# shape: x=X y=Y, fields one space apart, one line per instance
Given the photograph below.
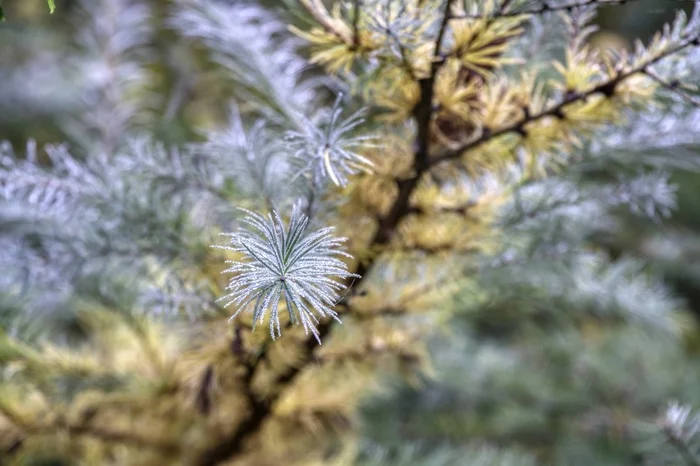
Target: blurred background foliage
x=502 y=374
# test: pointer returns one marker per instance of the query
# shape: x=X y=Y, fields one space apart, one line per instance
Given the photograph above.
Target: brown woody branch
x=318 y=10
x=356 y=25
x=422 y=113
x=232 y=444
x=673 y=86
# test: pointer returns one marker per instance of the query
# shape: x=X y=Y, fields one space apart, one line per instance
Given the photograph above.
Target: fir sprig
x=302 y=267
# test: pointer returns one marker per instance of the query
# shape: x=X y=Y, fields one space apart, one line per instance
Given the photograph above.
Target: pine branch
x=261 y=410
x=674 y=87
x=240 y=433
x=422 y=113
x=233 y=444
x=424 y=110
x=606 y=88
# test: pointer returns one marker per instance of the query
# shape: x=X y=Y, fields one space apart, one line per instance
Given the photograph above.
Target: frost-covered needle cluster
x=302 y=267
x=328 y=149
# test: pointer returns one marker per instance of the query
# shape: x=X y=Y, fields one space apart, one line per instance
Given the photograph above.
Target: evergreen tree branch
x=224 y=441
x=261 y=410
x=232 y=444
x=607 y=88
x=673 y=86
x=422 y=113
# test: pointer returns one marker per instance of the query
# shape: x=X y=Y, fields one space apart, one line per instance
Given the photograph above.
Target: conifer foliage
x=286 y=262
x=467 y=180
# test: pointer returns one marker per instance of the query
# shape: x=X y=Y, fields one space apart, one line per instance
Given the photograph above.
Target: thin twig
x=673 y=87
x=443 y=27
x=545 y=8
